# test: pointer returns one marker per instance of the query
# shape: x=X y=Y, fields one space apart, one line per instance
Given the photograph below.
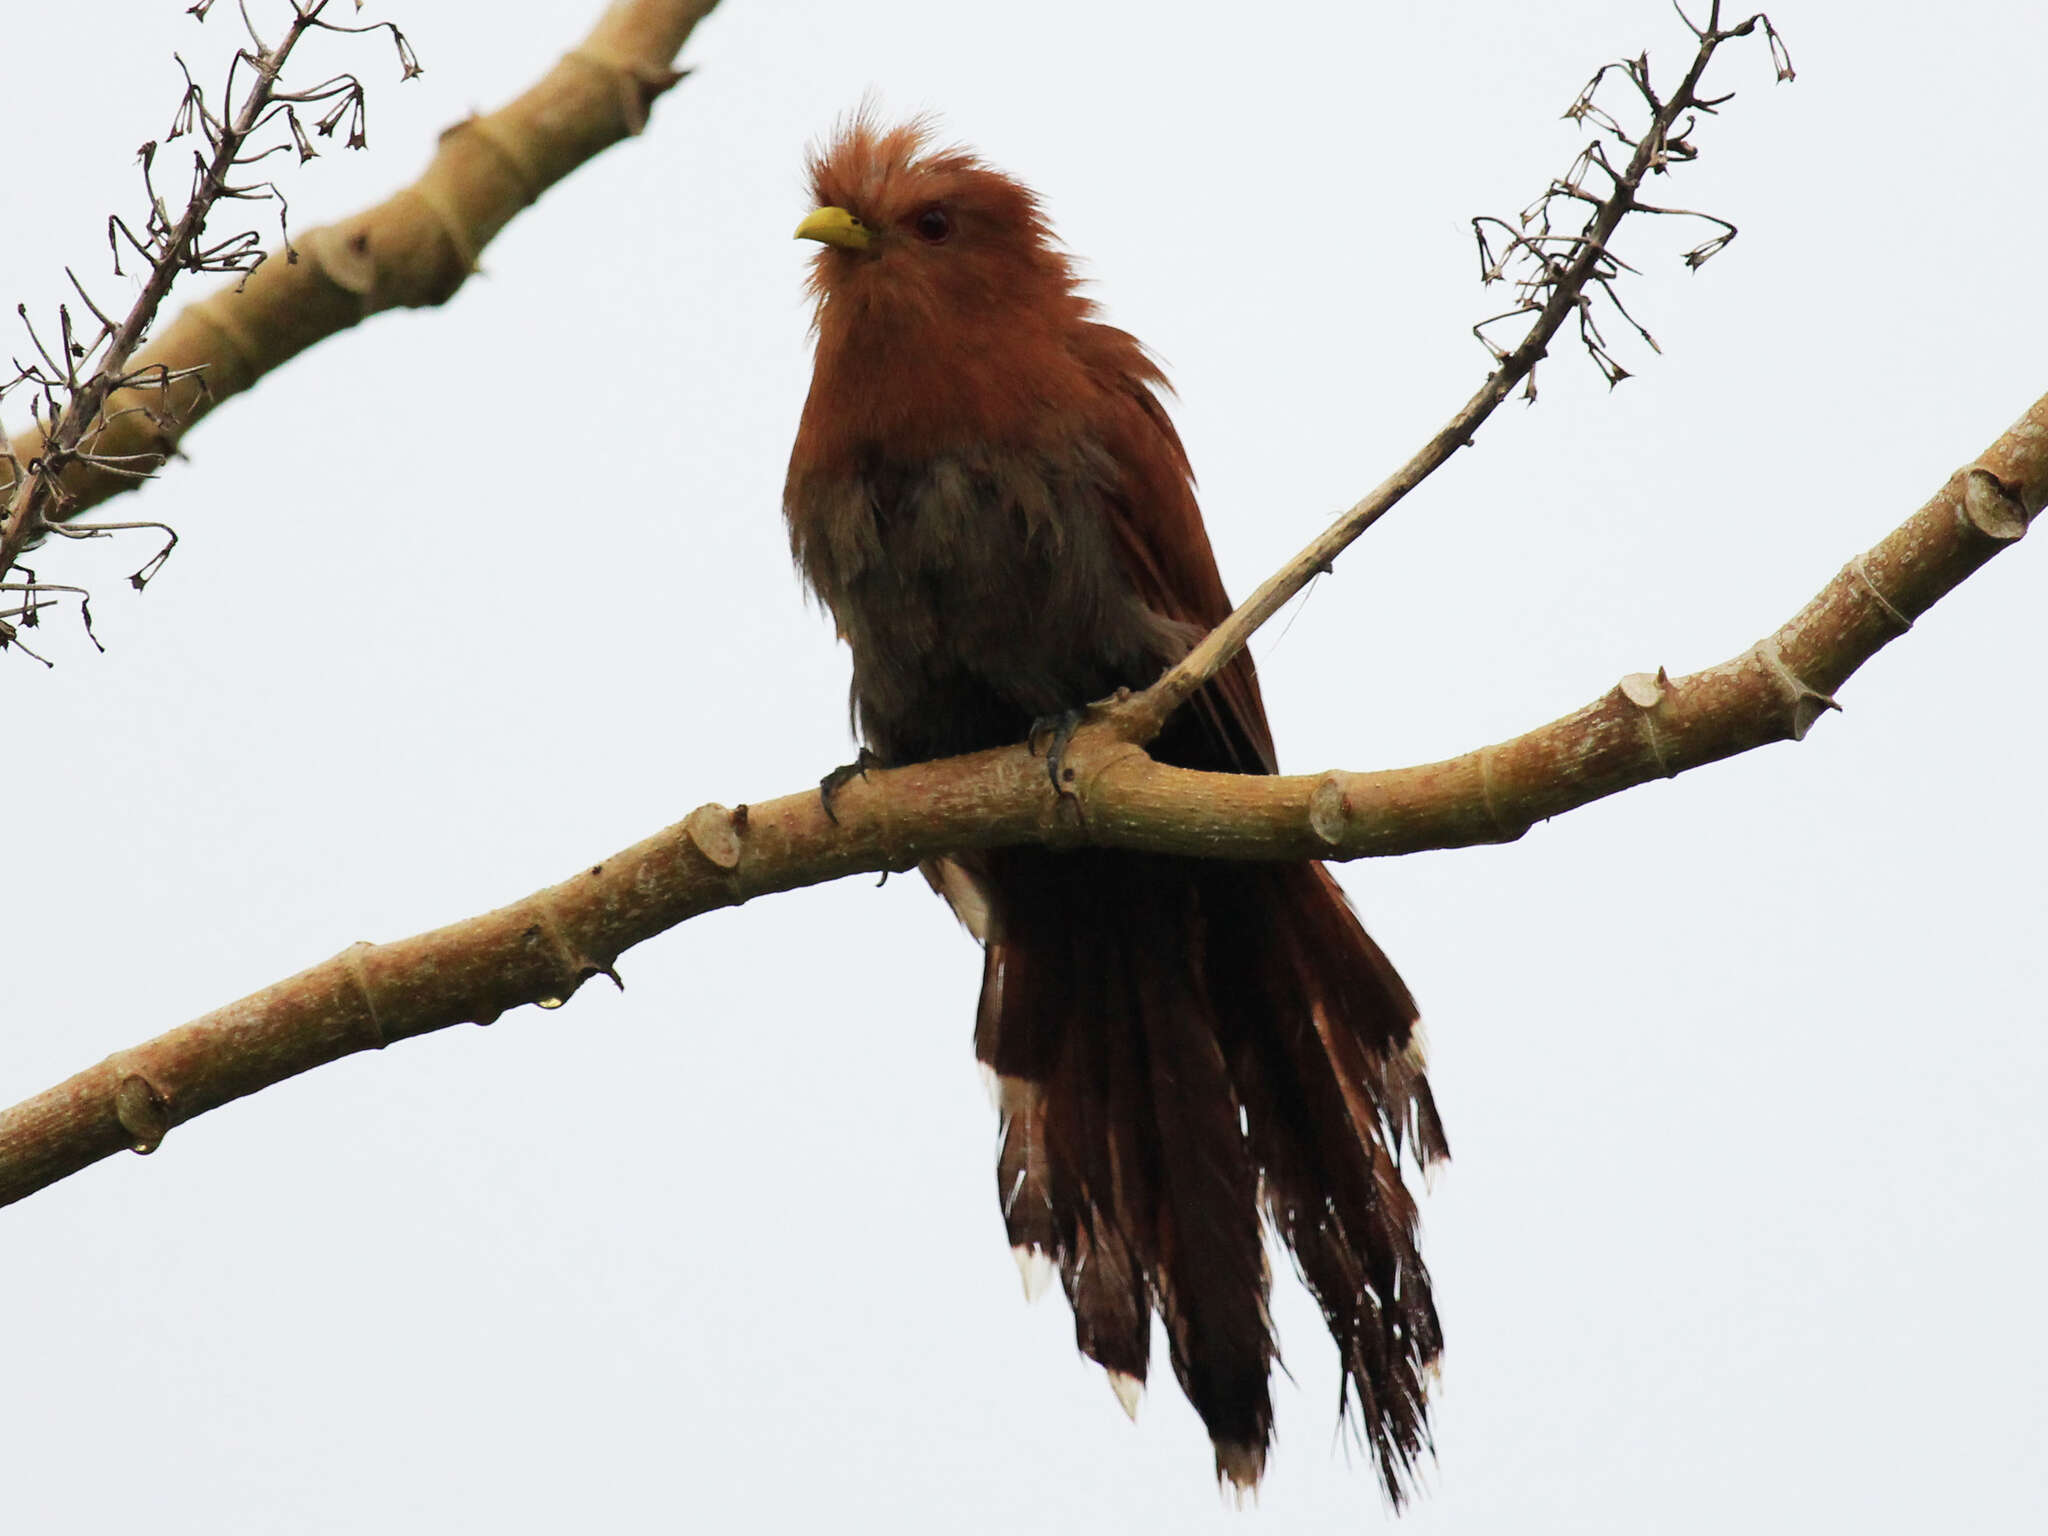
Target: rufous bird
x=987 y=493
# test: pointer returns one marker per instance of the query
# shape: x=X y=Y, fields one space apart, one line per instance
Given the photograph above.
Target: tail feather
x=1038 y=1193
x=1115 y=1254
x=1315 y=1010
x=1211 y=1284
x=1180 y=1047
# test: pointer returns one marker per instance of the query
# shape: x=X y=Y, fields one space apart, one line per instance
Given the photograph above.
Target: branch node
x=353 y=958
x=715 y=832
x=1643 y=689
x=1808 y=703
x=1900 y=622
x=639 y=86
x=1647 y=692
x=576 y=966
x=1329 y=810
x=453 y=228
x=341 y=253
x=1084 y=764
x=1988 y=506
x=144 y=1113
x=1507 y=834
x=504 y=148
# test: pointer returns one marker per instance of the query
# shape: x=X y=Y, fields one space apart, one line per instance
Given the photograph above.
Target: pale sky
x=1741 y=1072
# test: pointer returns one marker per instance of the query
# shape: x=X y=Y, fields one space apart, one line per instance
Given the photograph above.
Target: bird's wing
x=1165 y=548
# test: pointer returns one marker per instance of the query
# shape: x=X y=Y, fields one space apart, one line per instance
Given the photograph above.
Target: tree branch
x=414 y=249
x=1555 y=293
x=38 y=475
x=541 y=949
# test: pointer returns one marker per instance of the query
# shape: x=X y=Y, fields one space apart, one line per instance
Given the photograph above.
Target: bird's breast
x=978 y=589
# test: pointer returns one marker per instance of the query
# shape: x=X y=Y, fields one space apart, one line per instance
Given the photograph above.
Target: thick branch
x=414 y=249
x=541 y=949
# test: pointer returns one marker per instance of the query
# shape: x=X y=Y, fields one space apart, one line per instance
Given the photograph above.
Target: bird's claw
x=842 y=776
x=1056 y=731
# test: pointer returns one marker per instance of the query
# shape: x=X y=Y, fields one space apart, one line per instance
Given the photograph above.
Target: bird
x=988 y=494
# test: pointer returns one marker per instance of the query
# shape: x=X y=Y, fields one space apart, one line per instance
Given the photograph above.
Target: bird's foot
x=842 y=776
x=1056 y=731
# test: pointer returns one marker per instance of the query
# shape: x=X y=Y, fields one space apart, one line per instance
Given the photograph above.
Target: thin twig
x=1563 y=281
x=77 y=388
x=415 y=249
x=28 y=508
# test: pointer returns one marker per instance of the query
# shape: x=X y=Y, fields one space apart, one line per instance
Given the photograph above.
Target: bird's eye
x=933 y=225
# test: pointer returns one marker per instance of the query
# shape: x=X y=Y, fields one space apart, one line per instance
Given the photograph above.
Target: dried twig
x=414 y=249
x=72 y=388
x=1556 y=273
x=541 y=949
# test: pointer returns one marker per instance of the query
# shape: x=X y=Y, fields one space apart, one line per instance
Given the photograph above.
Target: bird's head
x=915 y=232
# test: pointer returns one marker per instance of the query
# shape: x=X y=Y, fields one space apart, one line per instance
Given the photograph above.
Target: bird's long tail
x=1178 y=1047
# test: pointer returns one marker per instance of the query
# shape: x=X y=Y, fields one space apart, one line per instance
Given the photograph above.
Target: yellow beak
x=834 y=226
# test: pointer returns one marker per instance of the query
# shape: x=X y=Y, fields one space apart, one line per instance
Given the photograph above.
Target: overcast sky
x=1742 y=1072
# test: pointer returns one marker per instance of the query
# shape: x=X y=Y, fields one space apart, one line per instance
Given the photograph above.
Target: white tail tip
x=1416 y=1052
x=1035 y=1267
x=1128 y=1390
x=1239 y=1468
